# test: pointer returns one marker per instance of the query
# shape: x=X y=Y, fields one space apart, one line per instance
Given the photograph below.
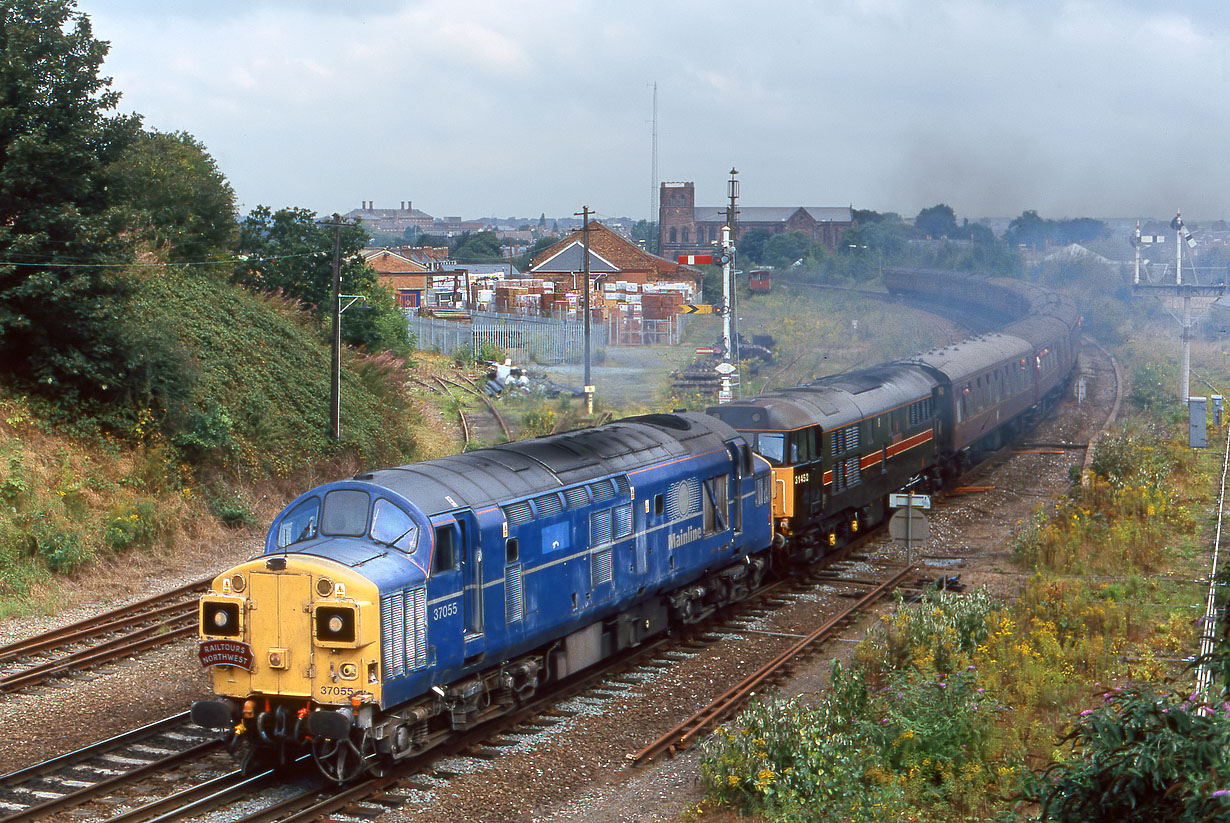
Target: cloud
x=476 y=107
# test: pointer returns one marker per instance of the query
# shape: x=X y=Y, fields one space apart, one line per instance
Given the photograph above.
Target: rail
x=726 y=704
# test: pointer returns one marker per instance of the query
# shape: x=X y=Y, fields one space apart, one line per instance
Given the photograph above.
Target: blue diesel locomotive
x=400 y=605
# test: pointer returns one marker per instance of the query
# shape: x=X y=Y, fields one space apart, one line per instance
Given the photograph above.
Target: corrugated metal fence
x=543 y=339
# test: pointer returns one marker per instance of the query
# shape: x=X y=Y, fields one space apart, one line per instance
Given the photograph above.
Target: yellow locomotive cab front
x=297 y=628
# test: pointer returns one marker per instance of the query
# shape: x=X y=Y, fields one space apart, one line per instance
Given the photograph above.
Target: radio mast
x=653 y=163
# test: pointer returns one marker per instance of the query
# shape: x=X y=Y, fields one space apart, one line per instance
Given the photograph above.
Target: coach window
x=772 y=447
x=345 y=513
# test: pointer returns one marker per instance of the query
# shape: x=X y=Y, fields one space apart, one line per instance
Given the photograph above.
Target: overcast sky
x=486 y=107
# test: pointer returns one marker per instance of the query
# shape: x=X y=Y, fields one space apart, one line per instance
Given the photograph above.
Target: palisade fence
x=541 y=339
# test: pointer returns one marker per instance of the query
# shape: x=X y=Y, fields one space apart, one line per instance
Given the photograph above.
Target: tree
x=480 y=247
x=751 y=244
x=782 y=250
x=1027 y=230
x=523 y=261
x=291 y=251
x=937 y=221
x=61 y=239
x=183 y=207
x=646 y=232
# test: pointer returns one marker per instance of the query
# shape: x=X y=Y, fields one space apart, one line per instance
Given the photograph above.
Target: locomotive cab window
x=446 y=549
x=772 y=447
x=345 y=513
x=393 y=527
x=715 y=504
x=301 y=524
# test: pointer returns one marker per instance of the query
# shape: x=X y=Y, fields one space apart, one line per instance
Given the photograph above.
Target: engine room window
x=299 y=525
x=772 y=447
x=345 y=513
x=393 y=527
x=511 y=551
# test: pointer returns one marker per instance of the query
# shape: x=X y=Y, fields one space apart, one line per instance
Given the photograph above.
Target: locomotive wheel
x=342 y=760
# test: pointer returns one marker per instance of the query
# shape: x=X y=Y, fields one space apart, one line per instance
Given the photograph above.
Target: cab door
x=458 y=576
x=281 y=632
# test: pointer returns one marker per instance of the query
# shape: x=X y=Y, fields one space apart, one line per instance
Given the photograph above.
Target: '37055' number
x=447 y=610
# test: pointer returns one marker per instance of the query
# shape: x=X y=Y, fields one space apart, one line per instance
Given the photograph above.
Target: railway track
x=147 y=624
x=104 y=769
x=264 y=796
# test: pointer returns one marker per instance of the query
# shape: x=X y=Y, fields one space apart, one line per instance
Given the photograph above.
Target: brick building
x=392 y=221
x=610 y=255
x=685 y=228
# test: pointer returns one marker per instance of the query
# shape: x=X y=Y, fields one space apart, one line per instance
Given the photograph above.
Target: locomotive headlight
x=220 y=618
x=237 y=583
x=335 y=624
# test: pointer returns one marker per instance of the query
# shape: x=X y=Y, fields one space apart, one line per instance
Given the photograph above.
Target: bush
x=132 y=526
x=1144 y=756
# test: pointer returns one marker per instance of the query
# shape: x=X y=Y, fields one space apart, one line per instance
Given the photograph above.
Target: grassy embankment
x=954 y=708
x=250 y=420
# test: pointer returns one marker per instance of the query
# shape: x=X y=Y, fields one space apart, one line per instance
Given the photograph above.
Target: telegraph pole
x=732 y=215
x=335 y=384
x=589 y=388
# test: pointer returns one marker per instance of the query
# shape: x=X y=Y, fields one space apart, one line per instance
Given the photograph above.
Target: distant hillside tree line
x=936 y=239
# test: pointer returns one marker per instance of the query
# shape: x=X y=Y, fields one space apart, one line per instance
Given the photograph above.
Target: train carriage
x=839 y=446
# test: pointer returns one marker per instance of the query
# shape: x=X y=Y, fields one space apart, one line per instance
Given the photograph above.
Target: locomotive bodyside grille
x=623 y=520
x=392 y=639
x=416 y=614
x=601 y=569
x=600 y=528
x=403 y=631
x=514 y=604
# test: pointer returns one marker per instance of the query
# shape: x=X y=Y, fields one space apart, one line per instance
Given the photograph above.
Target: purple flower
x=980 y=691
x=1086 y=712
x=1220 y=793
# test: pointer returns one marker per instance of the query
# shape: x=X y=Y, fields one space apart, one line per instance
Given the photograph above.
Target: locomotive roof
x=499 y=473
x=973 y=356
x=830 y=402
